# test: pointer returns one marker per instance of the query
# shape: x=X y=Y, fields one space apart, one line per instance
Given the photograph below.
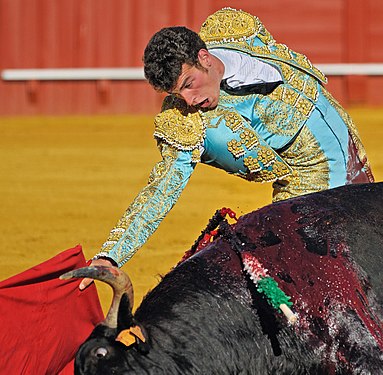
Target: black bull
x=206 y=316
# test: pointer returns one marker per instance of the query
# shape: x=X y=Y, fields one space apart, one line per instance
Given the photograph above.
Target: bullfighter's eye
x=101 y=352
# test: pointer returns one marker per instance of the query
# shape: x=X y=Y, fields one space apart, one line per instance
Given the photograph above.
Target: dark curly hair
x=165 y=54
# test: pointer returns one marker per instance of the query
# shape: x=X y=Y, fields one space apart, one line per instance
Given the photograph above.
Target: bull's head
x=105 y=349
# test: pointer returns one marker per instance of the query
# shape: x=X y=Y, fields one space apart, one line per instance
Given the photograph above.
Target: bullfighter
x=242 y=102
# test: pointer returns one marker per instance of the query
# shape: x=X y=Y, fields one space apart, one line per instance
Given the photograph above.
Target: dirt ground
x=66 y=180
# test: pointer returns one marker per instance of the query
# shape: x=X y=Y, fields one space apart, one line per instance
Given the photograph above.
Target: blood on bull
x=212 y=313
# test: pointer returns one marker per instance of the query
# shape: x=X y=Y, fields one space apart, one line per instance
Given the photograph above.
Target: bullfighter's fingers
x=85 y=283
x=96 y=262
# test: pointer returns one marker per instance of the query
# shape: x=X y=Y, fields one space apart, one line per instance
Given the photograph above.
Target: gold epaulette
x=179 y=125
x=235 y=29
x=231 y=25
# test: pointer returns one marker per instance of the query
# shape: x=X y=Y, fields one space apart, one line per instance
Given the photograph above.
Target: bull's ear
x=134 y=335
x=125 y=316
x=129 y=331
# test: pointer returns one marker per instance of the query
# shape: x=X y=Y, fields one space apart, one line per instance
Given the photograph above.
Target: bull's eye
x=101 y=352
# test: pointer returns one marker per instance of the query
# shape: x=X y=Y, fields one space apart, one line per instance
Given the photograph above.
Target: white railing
x=368 y=69
x=122 y=74
x=73 y=74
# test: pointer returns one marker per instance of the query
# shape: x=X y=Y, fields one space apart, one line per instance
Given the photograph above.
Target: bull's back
x=324 y=250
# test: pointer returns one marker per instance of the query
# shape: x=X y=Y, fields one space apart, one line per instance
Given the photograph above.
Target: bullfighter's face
x=199 y=85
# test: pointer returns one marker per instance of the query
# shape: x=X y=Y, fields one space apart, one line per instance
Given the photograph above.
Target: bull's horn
x=118 y=280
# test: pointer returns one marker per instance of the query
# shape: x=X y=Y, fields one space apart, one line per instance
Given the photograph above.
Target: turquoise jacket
x=298 y=136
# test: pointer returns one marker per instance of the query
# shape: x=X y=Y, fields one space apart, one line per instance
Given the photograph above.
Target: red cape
x=45 y=319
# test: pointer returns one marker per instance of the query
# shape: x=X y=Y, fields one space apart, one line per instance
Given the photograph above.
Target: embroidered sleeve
x=166 y=182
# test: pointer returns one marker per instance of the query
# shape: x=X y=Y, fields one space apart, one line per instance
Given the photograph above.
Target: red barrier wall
x=113 y=33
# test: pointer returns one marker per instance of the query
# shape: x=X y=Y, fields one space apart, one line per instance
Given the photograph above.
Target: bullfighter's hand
x=97 y=262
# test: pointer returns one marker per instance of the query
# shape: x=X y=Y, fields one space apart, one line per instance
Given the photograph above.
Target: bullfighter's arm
x=166 y=182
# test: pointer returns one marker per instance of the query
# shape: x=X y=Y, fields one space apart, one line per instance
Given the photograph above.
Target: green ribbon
x=275 y=296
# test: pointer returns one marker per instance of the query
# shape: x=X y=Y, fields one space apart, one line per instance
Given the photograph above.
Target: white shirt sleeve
x=242 y=69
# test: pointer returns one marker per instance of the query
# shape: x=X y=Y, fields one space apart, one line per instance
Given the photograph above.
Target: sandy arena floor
x=66 y=180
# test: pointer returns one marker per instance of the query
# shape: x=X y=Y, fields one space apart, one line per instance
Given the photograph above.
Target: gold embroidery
x=252 y=164
x=288 y=72
x=249 y=139
x=297 y=82
x=318 y=74
x=169 y=154
x=293 y=98
x=209 y=116
x=233 y=120
x=297 y=70
x=289 y=96
x=279 y=50
x=231 y=28
x=229 y=24
x=303 y=61
x=310 y=165
x=114 y=235
x=227 y=99
x=266 y=155
x=235 y=147
x=304 y=106
x=311 y=89
x=278 y=117
x=139 y=217
x=185 y=132
x=196 y=156
x=279 y=170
